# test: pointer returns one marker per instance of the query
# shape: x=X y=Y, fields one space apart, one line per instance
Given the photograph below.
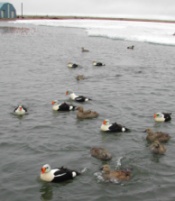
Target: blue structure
x=7 y=11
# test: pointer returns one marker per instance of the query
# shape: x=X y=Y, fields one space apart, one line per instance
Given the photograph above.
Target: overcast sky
x=97 y=7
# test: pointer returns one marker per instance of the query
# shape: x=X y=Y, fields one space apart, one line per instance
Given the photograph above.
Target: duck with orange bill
x=57 y=175
x=113 y=127
x=62 y=106
x=20 y=110
x=77 y=98
x=162 y=117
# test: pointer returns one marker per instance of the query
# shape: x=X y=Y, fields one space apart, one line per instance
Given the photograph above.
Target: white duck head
x=159 y=116
x=55 y=105
x=45 y=169
x=105 y=125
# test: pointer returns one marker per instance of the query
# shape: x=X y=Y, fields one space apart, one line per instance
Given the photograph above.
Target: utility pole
x=21 y=10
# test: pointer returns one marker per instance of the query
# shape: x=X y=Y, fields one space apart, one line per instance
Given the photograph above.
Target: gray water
x=132 y=86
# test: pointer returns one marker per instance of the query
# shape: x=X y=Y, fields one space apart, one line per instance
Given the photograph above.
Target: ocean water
x=129 y=89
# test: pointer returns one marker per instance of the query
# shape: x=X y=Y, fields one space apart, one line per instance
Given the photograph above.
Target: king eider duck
x=76 y=98
x=160 y=136
x=72 y=65
x=62 y=107
x=57 y=175
x=95 y=63
x=114 y=127
x=162 y=117
x=20 y=110
x=112 y=175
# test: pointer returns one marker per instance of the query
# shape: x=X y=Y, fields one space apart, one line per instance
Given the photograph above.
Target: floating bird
x=84 y=50
x=114 y=127
x=152 y=136
x=86 y=114
x=20 y=110
x=62 y=107
x=80 y=77
x=112 y=175
x=72 y=65
x=100 y=153
x=157 y=148
x=130 y=47
x=95 y=63
x=162 y=117
x=57 y=175
x=76 y=98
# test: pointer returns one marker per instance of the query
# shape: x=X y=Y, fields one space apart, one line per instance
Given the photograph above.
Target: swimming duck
x=100 y=153
x=111 y=175
x=80 y=77
x=130 y=47
x=152 y=136
x=86 y=114
x=84 y=50
x=162 y=117
x=95 y=63
x=157 y=148
x=114 y=127
x=20 y=110
x=57 y=175
x=76 y=98
x=62 y=107
x=72 y=65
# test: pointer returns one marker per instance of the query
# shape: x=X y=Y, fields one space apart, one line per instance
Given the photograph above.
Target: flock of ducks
x=62 y=174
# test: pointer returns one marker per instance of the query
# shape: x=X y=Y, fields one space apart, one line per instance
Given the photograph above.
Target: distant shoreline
x=47 y=17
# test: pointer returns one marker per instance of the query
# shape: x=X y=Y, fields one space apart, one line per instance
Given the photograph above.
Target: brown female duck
x=80 y=77
x=157 y=148
x=100 y=153
x=121 y=175
x=85 y=114
x=152 y=136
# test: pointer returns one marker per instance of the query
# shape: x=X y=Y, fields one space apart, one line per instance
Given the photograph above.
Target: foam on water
x=158 y=33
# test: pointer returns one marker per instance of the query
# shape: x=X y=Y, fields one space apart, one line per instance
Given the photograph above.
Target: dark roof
x=2 y=4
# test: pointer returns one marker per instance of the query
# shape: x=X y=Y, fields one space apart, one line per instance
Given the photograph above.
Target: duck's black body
x=117 y=128
x=81 y=99
x=167 y=116
x=66 y=107
x=64 y=174
x=74 y=65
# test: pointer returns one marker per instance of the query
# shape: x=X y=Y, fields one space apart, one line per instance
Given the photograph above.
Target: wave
x=151 y=32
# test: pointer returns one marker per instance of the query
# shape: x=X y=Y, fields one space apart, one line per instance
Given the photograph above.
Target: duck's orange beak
x=53 y=102
x=104 y=122
x=155 y=115
x=43 y=170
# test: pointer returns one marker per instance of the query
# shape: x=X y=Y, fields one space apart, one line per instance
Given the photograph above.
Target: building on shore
x=7 y=11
